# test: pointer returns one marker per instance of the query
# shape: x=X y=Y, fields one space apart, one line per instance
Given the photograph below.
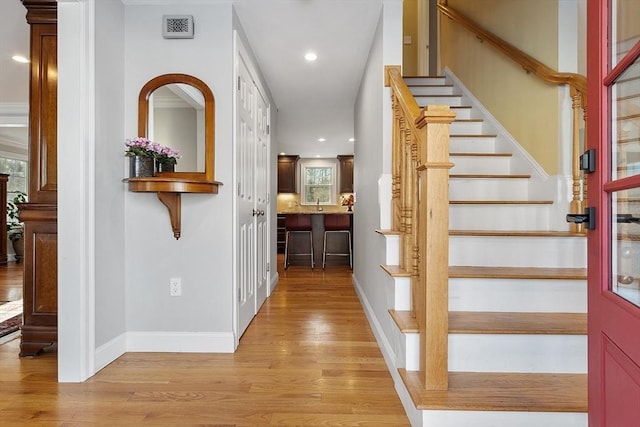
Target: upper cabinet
x=346 y=174
x=287 y=174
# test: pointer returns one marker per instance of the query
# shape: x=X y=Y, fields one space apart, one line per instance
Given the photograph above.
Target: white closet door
x=246 y=196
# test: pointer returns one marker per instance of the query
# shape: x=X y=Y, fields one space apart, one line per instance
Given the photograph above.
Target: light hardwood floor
x=309 y=358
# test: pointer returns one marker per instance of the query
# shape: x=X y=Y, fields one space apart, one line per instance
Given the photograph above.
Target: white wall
x=201 y=319
x=109 y=201
x=372 y=161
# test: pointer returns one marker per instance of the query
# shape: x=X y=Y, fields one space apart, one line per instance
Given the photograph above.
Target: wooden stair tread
x=478 y=175
x=500 y=202
x=472 y=322
x=458 y=272
x=387 y=232
x=395 y=270
x=476 y=322
x=515 y=233
x=405 y=321
x=480 y=155
x=518 y=392
x=453 y=95
x=473 y=135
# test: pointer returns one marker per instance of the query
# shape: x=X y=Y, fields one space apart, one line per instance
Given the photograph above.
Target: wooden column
x=432 y=304
x=40 y=292
x=4 y=178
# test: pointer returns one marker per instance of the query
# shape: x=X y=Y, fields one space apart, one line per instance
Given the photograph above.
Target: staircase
x=517 y=290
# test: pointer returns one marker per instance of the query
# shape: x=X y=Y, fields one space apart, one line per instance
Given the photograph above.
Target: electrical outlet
x=175 y=287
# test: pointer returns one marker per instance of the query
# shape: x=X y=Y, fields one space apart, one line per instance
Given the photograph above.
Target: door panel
x=262 y=199
x=245 y=197
x=613 y=62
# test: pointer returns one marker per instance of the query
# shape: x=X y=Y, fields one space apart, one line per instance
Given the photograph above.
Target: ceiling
x=314 y=99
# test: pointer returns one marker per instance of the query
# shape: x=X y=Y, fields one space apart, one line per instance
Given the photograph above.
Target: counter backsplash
x=290 y=203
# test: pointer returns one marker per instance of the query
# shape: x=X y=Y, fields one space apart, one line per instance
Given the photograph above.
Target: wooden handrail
x=578 y=92
x=531 y=65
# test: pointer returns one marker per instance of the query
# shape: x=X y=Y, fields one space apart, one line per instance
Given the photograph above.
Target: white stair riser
x=481 y=164
x=392 y=243
x=423 y=101
x=518 y=353
x=401 y=294
x=406 y=348
x=488 y=188
x=435 y=418
x=464 y=113
x=464 y=127
x=568 y=252
x=433 y=81
x=499 y=217
x=431 y=90
x=518 y=295
x=471 y=145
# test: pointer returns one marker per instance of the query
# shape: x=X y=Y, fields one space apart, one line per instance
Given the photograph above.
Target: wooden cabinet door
x=287 y=174
x=346 y=174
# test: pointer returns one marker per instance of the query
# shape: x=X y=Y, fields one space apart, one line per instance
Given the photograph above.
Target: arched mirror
x=177 y=110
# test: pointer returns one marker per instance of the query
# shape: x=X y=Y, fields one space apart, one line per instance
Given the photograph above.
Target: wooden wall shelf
x=169 y=191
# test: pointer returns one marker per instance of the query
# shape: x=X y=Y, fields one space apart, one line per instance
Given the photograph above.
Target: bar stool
x=297 y=223
x=337 y=223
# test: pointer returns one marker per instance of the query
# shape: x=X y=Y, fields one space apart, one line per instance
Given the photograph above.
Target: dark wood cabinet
x=287 y=174
x=39 y=215
x=346 y=174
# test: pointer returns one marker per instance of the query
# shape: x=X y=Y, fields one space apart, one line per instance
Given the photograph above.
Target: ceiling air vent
x=177 y=26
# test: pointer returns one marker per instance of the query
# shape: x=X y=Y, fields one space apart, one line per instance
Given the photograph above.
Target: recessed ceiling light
x=321 y=140
x=310 y=56
x=351 y=139
x=317 y=155
x=283 y=153
x=20 y=58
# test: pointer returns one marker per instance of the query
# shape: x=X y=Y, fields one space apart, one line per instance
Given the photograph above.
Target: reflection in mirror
x=176 y=119
x=177 y=110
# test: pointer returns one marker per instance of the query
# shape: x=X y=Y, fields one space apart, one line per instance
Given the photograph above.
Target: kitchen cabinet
x=287 y=174
x=346 y=174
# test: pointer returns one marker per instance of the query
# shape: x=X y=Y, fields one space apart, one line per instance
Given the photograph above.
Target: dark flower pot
x=165 y=167
x=18 y=248
x=140 y=167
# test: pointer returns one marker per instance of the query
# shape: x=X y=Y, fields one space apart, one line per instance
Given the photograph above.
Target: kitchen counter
x=298 y=242
x=314 y=212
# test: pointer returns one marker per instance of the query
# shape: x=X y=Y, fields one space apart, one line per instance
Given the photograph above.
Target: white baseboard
x=110 y=351
x=181 y=342
x=169 y=342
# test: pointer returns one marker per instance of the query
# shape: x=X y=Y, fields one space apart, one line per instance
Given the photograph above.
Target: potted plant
x=166 y=159
x=143 y=153
x=15 y=229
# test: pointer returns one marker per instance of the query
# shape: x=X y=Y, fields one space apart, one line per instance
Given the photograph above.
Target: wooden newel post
x=432 y=307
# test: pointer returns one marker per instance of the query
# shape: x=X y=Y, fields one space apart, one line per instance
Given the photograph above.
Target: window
x=17 y=170
x=318 y=182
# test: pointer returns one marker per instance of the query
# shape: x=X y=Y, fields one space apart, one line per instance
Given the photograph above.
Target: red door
x=613 y=130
